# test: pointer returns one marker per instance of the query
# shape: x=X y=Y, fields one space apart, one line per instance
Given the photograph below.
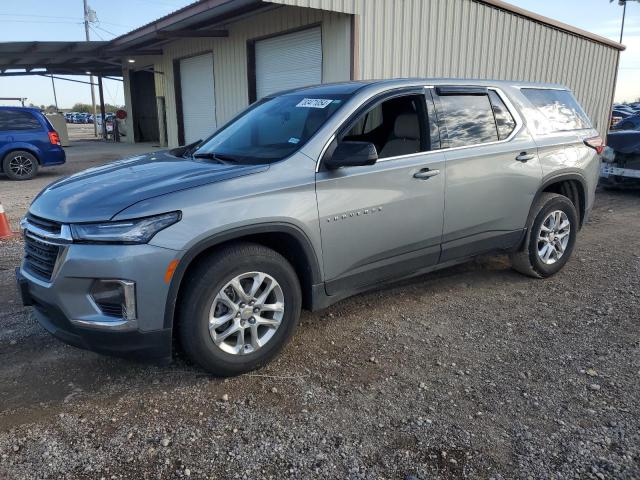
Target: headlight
x=139 y=230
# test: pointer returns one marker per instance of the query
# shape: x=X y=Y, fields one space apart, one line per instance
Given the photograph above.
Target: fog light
x=115 y=298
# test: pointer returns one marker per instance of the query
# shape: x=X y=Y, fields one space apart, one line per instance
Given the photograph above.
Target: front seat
x=405 y=138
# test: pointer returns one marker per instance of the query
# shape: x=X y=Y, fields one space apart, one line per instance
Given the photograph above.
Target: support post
x=55 y=97
x=93 y=94
x=102 y=115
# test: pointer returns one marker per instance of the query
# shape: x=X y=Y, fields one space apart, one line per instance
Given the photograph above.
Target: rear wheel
x=551 y=236
x=240 y=307
x=20 y=165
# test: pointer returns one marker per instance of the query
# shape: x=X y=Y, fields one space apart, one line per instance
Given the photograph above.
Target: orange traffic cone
x=5 y=229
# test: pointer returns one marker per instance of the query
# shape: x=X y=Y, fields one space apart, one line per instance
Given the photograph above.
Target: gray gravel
x=473 y=372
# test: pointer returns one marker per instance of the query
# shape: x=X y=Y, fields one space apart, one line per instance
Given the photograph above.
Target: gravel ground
x=472 y=372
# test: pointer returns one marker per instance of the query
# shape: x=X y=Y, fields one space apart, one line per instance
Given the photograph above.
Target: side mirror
x=352 y=154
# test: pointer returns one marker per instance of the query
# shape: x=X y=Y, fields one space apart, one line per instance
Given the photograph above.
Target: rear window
x=469 y=120
x=18 y=120
x=559 y=110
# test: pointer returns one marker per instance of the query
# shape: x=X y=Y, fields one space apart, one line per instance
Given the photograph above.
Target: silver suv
x=303 y=199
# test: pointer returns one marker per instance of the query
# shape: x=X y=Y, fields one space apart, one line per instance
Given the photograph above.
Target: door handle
x=425 y=174
x=525 y=157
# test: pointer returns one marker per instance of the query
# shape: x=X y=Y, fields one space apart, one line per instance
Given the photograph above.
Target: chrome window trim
x=510 y=107
x=520 y=87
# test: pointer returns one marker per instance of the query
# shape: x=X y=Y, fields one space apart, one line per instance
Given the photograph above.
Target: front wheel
x=551 y=237
x=239 y=309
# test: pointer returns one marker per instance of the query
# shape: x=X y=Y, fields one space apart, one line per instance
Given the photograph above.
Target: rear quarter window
x=18 y=120
x=555 y=110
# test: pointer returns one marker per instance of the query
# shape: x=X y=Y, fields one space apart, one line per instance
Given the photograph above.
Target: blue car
x=28 y=141
x=629 y=123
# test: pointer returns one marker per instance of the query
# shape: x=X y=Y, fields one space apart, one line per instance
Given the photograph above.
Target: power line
x=40 y=21
x=38 y=16
x=96 y=32
x=105 y=30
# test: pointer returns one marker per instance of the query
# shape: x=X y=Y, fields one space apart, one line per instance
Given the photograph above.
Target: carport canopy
x=64 y=58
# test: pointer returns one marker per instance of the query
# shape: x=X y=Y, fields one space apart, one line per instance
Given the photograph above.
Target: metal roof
x=64 y=58
x=193 y=20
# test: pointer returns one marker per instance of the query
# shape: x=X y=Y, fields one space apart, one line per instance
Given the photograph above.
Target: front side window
x=273 y=129
x=395 y=126
x=559 y=110
x=469 y=119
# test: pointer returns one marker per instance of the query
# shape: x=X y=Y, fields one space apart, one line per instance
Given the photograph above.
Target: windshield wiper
x=224 y=159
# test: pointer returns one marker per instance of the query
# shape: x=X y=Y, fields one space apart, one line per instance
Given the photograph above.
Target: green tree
x=86 y=108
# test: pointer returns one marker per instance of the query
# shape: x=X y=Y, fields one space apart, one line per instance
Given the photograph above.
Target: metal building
x=214 y=57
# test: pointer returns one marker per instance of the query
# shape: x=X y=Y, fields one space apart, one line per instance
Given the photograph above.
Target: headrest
x=407 y=126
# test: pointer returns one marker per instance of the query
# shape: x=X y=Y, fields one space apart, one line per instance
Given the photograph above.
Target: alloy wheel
x=553 y=237
x=246 y=313
x=21 y=166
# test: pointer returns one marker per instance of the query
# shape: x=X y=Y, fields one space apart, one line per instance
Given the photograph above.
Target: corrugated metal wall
x=468 y=39
x=230 y=57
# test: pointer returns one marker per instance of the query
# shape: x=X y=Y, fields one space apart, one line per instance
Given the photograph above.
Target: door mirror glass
x=352 y=154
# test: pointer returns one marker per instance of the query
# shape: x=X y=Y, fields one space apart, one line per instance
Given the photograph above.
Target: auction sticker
x=314 y=103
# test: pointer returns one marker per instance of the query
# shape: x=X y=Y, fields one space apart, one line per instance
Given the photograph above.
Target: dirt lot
x=474 y=372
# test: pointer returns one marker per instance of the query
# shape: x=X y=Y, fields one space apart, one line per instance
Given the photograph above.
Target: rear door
x=493 y=171
x=385 y=220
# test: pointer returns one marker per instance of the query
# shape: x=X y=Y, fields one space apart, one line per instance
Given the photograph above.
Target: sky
x=29 y=20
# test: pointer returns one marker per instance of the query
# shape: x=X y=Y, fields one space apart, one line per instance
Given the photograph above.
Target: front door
x=385 y=220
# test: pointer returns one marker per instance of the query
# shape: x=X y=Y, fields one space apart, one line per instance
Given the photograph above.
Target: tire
x=204 y=297
x=529 y=260
x=20 y=165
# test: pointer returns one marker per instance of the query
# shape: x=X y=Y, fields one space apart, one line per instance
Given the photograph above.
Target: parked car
x=629 y=123
x=621 y=163
x=622 y=113
x=305 y=198
x=28 y=141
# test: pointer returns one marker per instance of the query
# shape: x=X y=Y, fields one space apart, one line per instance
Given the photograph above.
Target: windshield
x=273 y=129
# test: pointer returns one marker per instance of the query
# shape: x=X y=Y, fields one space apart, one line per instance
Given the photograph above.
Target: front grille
x=110 y=309
x=40 y=257
x=44 y=224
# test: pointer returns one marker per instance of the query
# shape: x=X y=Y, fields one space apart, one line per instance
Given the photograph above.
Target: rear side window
x=560 y=111
x=504 y=120
x=18 y=120
x=469 y=120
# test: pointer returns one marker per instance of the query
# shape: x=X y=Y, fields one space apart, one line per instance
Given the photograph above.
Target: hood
x=97 y=194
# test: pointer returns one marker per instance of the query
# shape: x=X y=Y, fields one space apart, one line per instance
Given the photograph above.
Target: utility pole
x=624 y=13
x=55 y=97
x=623 y=4
x=93 y=93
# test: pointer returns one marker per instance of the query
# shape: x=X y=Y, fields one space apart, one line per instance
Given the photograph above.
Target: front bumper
x=63 y=305
x=149 y=346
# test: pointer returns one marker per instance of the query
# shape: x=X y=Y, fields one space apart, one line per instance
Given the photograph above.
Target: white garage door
x=288 y=61
x=198 y=97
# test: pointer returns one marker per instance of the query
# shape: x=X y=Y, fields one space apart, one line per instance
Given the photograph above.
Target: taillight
x=54 y=138
x=596 y=143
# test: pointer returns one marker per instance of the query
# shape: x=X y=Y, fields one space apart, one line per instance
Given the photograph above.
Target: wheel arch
x=286 y=239
x=571 y=185
x=20 y=148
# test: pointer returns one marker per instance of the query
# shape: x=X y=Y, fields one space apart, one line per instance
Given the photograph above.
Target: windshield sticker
x=294 y=140
x=314 y=103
